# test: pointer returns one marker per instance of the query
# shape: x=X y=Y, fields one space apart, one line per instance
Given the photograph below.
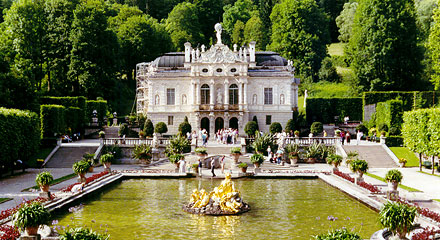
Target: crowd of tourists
x=227 y=136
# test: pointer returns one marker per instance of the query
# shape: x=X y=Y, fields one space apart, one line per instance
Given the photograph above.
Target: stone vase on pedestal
x=392 y=185
x=359 y=178
x=235 y=156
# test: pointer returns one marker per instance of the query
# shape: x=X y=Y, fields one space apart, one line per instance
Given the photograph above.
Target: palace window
x=204 y=94
x=268 y=97
x=170 y=120
x=171 y=96
x=268 y=119
x=233 y=94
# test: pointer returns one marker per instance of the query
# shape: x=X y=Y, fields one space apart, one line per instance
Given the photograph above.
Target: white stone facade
x=218 y=87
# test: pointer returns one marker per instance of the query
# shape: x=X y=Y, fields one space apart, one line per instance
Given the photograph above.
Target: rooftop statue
x=223 y=200
x=218 y=28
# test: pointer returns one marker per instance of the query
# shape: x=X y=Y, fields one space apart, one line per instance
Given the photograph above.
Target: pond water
x=280 y=209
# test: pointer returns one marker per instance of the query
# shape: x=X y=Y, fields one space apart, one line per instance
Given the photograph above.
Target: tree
x=332 y=9
x=316 y=128
x=238 y=33
x=241 y=10
x=290 y=126
x=299 y=32
x=434 y=48
x=161 y=128
x=250 y=128
x=275 y=127
x=345 y=21
x=255 y=31
x=425 y=10
x=328 y=71
x=256 y=121
x=384 y=47
x=183 y=25
x=184 y=127
x=210 y=13
x=93 y=61
x=148 y=128
x=265 y=9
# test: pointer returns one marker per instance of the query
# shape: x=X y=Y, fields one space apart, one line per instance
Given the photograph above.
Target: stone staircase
x=375 y=155
x=66 y=156
x=111 y=132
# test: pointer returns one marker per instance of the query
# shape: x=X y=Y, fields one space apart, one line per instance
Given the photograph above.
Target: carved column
x=212 y=93
x=240 y=95
x=226 y=94
x=198 y=93
x=245 y=95
x=211 y=125
x=226 y=119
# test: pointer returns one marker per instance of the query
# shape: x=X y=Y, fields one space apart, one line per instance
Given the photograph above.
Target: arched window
x=204 y=93
x=233 y=94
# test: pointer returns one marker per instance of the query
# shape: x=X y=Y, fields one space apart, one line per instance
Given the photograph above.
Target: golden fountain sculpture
x=223 y=200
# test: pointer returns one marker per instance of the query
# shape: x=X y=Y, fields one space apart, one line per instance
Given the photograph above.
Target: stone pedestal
x=392 y=195
x=45 y=195
x=95 y=121
x=257 y=170
x=115 y=121
x=33 y=237
x=358 y=180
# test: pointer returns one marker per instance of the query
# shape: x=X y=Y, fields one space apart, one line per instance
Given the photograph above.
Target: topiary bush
x=148 y=128
x=52 y=120
x=275 y=127
x=161 y=128
x=184 y=127
x=250 y=128
x=316 y=128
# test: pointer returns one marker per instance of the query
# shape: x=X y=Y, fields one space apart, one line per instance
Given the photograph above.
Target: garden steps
x=375 y=155
x=66 y=156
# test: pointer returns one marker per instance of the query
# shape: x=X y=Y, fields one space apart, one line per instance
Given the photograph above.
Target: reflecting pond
x=280 y=208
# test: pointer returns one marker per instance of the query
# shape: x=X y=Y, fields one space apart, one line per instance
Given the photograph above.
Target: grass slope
x=403 y=152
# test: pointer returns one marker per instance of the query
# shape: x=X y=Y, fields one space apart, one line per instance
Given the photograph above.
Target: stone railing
x=304 y=141
x=134 y=141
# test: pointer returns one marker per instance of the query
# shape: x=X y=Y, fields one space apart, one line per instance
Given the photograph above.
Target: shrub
x=31 y=215
x=394 y=141
x=362 y=128
x=275 y=127
x=178 y=144
x=82 y=234
x=382 y=127
x=201 y=150
x=328 y=71
x=161 y=128
x=325 y=109
x=185 y=127
x=81 y=167
x=338 y=234
x=78 y=103
x=316 y=128
x=74 y=119
x=44 y=178
x=236 y=150
x=148 y=128
x=261 y=143
x=52 y=120
x=257 y=158
x=174 y=158
x=397 y=217
x=20 y=133
x=250 y=128
x=106 y=158
x=394 y=175
x=290 y=126
x=242 y=165
x=113 y=149
x=313 y=151
x=123 y=130
x=142 y=152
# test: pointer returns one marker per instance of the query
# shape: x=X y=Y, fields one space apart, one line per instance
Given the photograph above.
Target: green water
x=280 y=209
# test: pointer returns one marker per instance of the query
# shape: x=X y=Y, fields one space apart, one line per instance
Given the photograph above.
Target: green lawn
x=336 y=49
x=55 y=181
x=409 y=189
x=403 y=152
x=2 y=200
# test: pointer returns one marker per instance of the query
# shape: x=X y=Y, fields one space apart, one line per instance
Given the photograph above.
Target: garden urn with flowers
x=29 y=217
x=201 y=152
x=106 y=160
x=393 y=177
x=335 y=160
x=81 y=168
x=43 y=180
x=360 y=167
x=235 y=153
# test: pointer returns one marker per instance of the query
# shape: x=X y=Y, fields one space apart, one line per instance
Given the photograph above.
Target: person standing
x=223 y=163
x=358 y=137
x=213 y=166
x=342 y=137
x=200 y=167
x=269 y=154
x=348 y=137
x=182 y=165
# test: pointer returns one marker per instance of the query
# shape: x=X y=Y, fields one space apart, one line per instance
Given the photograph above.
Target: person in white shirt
x=358 y=137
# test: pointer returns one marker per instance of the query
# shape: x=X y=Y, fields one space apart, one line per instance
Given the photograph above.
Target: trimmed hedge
x=390 y=113
x=426 y=99
x=20 y=135
x=52 y=120
x=100 y=106
x=394 y=141
x=78 y=102
x=411 y=100
x=325 y=109
x=73 y=119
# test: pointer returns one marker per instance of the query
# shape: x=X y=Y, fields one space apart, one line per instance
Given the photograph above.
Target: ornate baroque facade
x=217 y=88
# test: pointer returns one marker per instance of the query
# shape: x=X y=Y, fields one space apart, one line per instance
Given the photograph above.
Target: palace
x=217 y=87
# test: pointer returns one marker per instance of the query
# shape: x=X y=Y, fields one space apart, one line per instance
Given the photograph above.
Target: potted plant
x=360 y=167
x=106 y=160
x=101 y=134
x=143 y=153
x=398 y=218
x=174 y=158
x=43 y=180
x=257 y=159
x=402 y=162
x=235 y=152
x=393 y=177
x=335 y=160
x=243 y=166
x=351 y=156
x=201 y=151
x=81 y=168
x=195 y=167
x=313 y=153
x=89 y=157
x=292 y=151
x=30 y=216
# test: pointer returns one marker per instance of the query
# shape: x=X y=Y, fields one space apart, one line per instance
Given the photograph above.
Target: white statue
x=218 y=28
x=219 y=97
x=254 y=99
x=305 y=97
x=157 y=100
x=155 y=141
x=184 y=100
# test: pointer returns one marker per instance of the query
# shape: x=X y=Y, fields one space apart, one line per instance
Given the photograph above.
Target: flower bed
x=8 y=212
x=88 y=180
x=8 y=232
x=423 y=211
x=427 y=233
x=148 y=171
x=365 y=185
x=296 y=171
